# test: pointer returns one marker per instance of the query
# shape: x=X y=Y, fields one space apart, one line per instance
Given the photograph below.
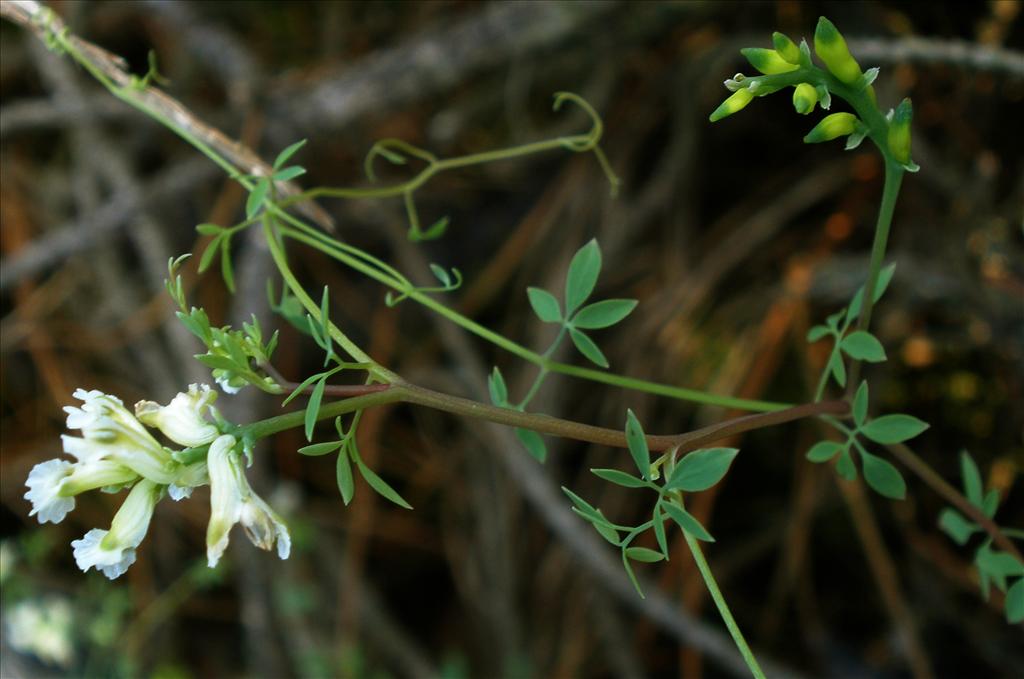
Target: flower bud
x=767 y=61
x=183 y=420
x=731 y=105
x=805 y=96
x=831 y=127
x=786 y=48
x=899 y=132
x=831 y=48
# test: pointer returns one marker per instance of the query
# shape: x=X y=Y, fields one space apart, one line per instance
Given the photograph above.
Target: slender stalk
x=893 y=179
x=723 y=607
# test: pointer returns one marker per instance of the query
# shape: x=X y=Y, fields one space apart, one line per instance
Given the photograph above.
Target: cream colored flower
x=113 y=551
x=233 y=501
x=184 y=419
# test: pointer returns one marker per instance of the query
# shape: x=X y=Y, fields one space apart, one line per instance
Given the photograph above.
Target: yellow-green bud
x=804 y=98
x=831 y=48
x=832 y=126
x=767 y=61
x=899 y=132
x=736 y=102
x=786 y=48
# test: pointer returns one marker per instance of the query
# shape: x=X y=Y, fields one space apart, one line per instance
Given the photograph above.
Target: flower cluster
x=118 y=451
x=789 y=65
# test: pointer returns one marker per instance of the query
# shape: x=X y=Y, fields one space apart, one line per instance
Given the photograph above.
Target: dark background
x=735 y=237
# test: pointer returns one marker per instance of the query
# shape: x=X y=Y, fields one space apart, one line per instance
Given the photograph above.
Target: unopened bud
x=831 y=127
x=831 y=48
x=899 y=132
x=786 y=48
x=733 y=104
x=804 y=98
x=767 y=61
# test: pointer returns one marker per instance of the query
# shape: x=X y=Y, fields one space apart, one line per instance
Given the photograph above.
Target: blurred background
x=735 y=237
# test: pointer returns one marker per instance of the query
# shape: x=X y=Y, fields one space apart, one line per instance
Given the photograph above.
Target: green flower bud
x=831 y=127
x=786 y=48
x=899 y=132
x=805 y=96
x=831 y=48
x=767 y=61
x=733 y=104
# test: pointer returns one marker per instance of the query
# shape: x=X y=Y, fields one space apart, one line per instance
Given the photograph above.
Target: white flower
x=44 y=482
x=183 y=419
x=53 y=484
x=190 y=477
x=113 y=551
x=232 y=501
x=228 y=381
x=112 y=433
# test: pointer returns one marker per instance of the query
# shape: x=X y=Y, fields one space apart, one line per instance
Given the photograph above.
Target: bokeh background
x=735 y=237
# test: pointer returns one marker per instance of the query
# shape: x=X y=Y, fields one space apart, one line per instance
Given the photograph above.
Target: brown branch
x=47 y=26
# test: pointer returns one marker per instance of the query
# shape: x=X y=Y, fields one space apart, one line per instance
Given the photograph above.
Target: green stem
x=723 y=607
x=893 y=179
x=542 y=372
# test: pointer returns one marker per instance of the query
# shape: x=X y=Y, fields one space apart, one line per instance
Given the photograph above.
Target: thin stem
x=723 y=607
x=542 y=372
x=891 y=191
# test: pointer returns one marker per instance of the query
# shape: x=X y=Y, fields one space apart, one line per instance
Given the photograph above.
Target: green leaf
x=544 y=305
x=845 y=467
x=376 y=482
x=441 y=274
x=608 y=533
x=256 y=197
x=217 y=362
x=881 y=475
x=956 y=526
x=823 y=451
x=644 y=554
x=227 y=272
x=283 y=156
x=659 y=529
x=588 y=510
x=1015 y=603
x=619 y=478
x=998 y=565
x=289 y=173
x=688 y=523
x=587 y=347
x=533 y=443
x=603 y=314
x=208 y=230
x=343 y=472
x=209 y=253
x=582 y=277
x=863 y=346
x=818 y=333
x=497 y=388
x=884 y=277
x=893 y=428
x=631 y=574
x=991 y=503
x=313 y=407
x=835 y=364
x=637 y=443
x=318 y=449
x=701 y=469
x=860 y=403
x=972 y=479
x=301 y=388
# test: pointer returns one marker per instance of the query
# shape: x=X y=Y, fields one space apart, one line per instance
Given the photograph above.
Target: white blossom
x=53 y=484
x=233 y=501
x=183 y=420
x=42 y=628
x=110 y=432
x=44 y=482
x=113 y=551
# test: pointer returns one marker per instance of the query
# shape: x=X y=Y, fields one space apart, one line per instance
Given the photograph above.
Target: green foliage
x=699 y=470
x=994 y=567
